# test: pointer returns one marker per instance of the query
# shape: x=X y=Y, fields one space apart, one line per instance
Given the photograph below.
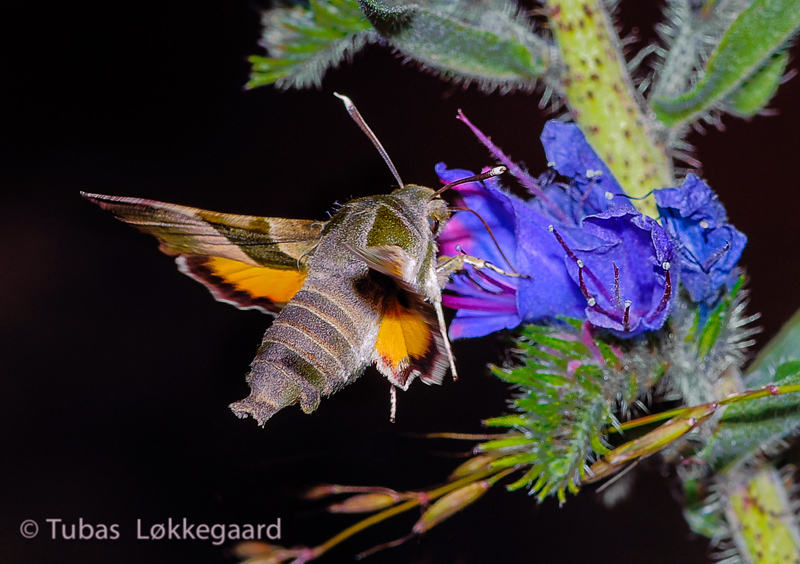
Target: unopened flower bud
x=450 y=504
x=365 y=503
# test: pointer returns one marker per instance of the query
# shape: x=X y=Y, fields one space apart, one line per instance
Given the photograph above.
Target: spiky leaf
x=302 y=42
x=691 y=31
x=568 y=391
x=759 y=32
x=717 y=321
x=485 y=42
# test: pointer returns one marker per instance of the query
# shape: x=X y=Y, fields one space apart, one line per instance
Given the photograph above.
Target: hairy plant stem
x=762 y=523
x=604 y=101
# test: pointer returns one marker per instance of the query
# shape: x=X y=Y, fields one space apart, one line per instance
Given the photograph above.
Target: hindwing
x=410 y=343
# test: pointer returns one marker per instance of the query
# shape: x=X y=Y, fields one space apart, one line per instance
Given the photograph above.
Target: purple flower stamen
x=495 y=282
x=666 y=296
x=478 y=286
x=561 y=242
x=585 y=196
x=588 y=339
x=708 y=264
x=583 y=268
x=524 y=178
x=590 y=299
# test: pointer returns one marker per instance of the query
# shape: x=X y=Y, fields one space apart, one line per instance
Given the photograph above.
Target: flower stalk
x=604 y=102
x=761 y=520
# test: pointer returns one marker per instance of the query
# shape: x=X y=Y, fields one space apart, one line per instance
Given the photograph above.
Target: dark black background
x=117 y=370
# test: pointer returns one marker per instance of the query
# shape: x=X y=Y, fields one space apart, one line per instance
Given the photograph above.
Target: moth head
x=438 y=213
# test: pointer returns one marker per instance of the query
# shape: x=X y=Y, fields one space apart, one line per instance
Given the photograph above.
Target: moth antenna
x=491 y=234
x=356 y=115
x=496 y=171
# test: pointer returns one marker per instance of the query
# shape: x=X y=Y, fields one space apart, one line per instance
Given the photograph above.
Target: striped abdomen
x=321 y=341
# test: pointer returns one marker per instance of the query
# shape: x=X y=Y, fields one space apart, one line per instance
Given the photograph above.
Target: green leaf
x=563 y=408
x=759 y=32
x=506 y=442
x=747 y=428
x=486 y=42
x=718 y=321
x=303 y=42
x=506 y=421
x=759 y=89
x=784 y=346
x=703 y=517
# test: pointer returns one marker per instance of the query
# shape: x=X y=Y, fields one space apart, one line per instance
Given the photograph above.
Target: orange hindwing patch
x=244 y=285
x=408 y=343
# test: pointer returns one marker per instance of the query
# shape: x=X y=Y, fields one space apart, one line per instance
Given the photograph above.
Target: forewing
x=248 y=261
x=390 y=260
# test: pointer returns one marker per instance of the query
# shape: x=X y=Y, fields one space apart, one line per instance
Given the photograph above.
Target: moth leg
x=448 y=266
x=443 y=330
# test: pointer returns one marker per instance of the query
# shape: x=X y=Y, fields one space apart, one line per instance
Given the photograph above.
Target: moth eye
x=433 y=223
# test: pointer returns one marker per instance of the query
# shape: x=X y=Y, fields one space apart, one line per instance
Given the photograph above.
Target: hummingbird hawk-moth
x=363 y=287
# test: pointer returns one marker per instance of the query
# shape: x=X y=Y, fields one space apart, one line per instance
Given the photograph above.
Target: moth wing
x=248 y=261
x=410 y=342
x=390 y=260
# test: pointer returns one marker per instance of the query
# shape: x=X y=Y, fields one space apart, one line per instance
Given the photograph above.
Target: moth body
x=361 y=288
x=328 y=332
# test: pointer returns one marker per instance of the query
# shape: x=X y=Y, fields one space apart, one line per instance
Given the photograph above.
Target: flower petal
x=710 y=247
x=625 y=272
x=571 y=155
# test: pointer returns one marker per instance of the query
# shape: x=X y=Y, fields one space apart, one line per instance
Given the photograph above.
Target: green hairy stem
x=603 y=100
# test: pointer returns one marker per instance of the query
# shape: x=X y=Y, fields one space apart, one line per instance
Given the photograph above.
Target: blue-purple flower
x=584 y=250
x=709 y=246
x=486 y=301
x=624 y=274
